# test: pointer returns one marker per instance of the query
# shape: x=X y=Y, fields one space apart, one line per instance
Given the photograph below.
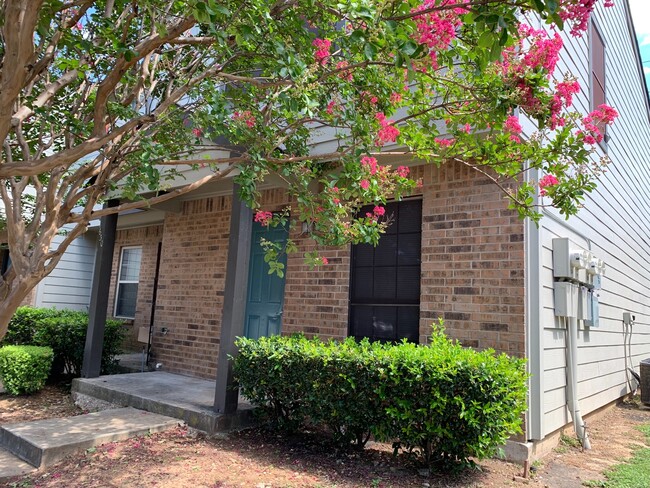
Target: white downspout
x=572 y=382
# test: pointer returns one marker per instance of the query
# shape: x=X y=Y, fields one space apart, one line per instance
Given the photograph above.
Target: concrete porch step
x=182 y=397
x=11 y=465
x=44 y=442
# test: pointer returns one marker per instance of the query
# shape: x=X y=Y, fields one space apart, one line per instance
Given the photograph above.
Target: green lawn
x=634 y=473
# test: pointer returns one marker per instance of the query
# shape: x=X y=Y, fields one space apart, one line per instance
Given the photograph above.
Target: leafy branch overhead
x=121 y=97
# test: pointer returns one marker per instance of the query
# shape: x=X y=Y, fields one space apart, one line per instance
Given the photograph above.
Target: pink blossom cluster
x=444 y=142
x=578 y=12
x=542 y=52
x=437 y=28
x=546 y=181
x=263 y=218
x=595 y=122
x=322 y=50
x=377 y=212
x=563 y=97
x=245 y=117
x=512 y=125
x=333 y=107
x=388 y=132
x=403 y=171
x=324 y=260
x=345 y=74
x=197 y=132
x=370 y=163
x=395 y=98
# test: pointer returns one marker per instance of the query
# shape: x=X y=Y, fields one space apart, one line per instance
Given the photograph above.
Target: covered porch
x=185 y=398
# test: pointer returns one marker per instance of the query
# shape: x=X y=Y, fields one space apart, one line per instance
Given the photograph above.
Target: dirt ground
x=259 y=459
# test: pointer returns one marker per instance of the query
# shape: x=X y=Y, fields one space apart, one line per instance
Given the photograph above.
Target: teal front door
x=265 y=291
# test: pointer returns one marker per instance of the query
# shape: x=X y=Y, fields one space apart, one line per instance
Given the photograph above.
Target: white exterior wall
x=615 y=225
x=68 y=286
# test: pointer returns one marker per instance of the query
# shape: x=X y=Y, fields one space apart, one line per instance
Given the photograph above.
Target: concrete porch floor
x=182 y=397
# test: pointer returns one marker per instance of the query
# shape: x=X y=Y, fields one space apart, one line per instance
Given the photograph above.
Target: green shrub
x=24 y=369
x=24 y=323
x=449 y=402
x=65 y=332
x=296 y=381
x=441 y=401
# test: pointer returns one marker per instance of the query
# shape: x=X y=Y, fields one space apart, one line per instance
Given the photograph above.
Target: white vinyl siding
x=615 y=225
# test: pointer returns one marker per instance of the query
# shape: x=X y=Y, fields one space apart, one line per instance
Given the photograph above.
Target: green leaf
x=370 y=51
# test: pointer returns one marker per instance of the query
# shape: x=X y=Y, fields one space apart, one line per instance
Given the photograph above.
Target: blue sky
x=641 y=17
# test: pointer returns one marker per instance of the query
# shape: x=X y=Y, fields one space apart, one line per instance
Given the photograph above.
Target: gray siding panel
x=68 y=286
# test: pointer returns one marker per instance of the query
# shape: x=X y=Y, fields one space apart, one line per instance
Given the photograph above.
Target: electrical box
x=566 y=299
x=584 y=305
x=563 y=268
x=594 y=321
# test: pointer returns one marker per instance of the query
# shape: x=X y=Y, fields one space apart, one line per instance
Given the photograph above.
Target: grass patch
x=634 y=473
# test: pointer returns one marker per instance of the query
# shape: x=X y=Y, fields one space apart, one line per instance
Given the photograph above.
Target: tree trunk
x=12 y=293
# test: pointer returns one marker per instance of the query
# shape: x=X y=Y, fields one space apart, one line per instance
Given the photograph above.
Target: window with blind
x=597 y=62
x=128 y=279
x=385 y=280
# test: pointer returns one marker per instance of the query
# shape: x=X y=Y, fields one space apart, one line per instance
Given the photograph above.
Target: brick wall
x=472 y=260
x=472 y=273
x=148 y=238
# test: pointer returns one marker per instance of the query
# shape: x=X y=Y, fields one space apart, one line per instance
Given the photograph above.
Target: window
x=385 y=280
x=597 y=66
x=5 y=261
x=127 y=282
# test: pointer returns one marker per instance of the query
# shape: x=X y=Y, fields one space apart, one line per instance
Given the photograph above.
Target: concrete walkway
x=44 y=442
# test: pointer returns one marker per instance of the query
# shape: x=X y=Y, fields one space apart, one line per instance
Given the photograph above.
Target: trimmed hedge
x=24 y=369
x=442 y=401
x=65 y=332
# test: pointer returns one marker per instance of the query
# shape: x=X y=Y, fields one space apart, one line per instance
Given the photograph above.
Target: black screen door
x=385 y=281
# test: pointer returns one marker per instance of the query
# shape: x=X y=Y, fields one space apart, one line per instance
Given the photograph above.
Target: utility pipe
x=572 y=382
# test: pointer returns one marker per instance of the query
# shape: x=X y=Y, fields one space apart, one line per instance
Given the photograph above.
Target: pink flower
x=403 y=171
x=578 y=12
x=546 y=181
x=388 y=132
x=365 y=184
x=324 y=260
x=197 y=132
x=322 y=50
x=263 y=218
x=344 y=74
x=370 y=163
x=335 y=189
x=512 y=125
x=378 y=211
x=395 y=97
x=566 y=89
x=245 y=117
x=467 y=128
x=444 y=142
x=332 y=107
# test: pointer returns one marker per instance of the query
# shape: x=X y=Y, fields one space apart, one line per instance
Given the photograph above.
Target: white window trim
x=120 y=281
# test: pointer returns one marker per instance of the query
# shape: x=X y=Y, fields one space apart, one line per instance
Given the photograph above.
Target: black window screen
x=385 y=282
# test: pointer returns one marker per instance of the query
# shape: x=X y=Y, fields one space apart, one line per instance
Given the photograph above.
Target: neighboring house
x=455 y=251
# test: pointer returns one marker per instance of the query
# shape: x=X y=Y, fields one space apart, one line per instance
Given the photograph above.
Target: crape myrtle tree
x=111 y=97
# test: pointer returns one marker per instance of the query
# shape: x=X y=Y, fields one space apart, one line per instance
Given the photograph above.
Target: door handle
x=276 y=316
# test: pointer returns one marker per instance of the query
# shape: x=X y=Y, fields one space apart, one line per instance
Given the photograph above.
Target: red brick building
x=470 y=260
